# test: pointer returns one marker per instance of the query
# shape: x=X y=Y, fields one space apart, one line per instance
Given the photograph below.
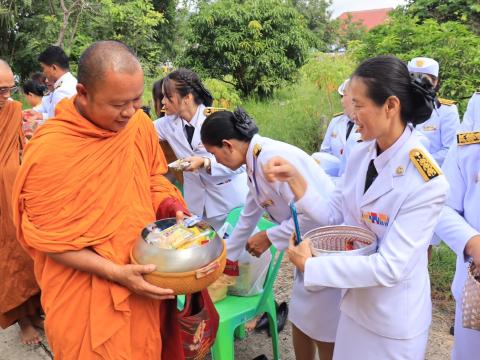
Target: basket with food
x=342 y=240
x=471 y=299
x=179 y=251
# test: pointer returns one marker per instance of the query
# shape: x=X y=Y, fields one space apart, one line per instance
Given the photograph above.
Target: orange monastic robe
x=17 y=282
x=81 y=186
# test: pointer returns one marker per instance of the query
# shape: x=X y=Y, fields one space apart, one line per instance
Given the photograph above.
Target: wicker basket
x=471 y=300
x=185 y=282
x=342 y=240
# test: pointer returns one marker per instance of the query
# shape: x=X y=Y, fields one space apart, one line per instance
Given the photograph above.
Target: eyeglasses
x=11 y=90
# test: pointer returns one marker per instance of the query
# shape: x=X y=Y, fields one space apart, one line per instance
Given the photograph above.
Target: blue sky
x=340 y=6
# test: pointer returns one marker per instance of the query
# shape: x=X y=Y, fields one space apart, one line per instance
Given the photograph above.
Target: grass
x=442 y=269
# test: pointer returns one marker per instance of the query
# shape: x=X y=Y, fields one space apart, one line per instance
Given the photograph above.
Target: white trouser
x=467 y=341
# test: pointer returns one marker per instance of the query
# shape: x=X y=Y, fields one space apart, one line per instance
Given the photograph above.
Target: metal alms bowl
x=175 y=261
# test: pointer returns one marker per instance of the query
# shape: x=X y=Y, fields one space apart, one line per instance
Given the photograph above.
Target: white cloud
x=340 y=6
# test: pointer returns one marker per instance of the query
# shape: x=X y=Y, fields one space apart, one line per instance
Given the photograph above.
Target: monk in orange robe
x=19 y=292
x=91 y=179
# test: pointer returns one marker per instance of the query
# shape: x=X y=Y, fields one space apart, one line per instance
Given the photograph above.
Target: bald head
x=104 y=57
x=5 y=68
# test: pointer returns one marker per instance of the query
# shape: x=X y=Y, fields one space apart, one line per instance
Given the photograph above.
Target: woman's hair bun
x=423 y=98
x=243 y=123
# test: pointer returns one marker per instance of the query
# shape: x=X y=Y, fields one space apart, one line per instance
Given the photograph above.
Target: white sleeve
x=159 y=125
x=452 y=227
x=326 y=143
x=249 y=218
x=405 y=242
x=57 y=96
x=322 y=210
x=473 y=109
x=449 y=126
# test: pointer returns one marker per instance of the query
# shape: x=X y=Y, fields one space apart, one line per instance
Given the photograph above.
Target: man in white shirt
x=55 y=66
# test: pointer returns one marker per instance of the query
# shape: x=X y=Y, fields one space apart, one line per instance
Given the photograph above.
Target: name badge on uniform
x=266 y=203
x=375 y=218
x=334 y=134
x=429 y=128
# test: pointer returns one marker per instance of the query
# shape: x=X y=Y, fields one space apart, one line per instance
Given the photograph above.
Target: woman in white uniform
x=459 y=227
x=393 y=187
x=233 y=139
x=210 y=189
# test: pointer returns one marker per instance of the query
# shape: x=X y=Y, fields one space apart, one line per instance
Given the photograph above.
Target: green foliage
x=299 y=113
x=452 y=44
x=261 y=44
x=464 y=11
x=38 y=25
x=442 y=270
x=327 y=72
x=346 y=31
x=224 y=94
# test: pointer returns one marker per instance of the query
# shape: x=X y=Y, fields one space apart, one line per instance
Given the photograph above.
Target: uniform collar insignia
x=467 y=138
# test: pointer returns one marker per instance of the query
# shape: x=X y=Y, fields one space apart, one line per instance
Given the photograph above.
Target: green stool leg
x=240 y=332
x=223 y=348
x=272 y=323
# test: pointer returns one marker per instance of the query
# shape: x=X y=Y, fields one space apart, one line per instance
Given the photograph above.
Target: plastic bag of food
x=218 y=290
x=253 y=272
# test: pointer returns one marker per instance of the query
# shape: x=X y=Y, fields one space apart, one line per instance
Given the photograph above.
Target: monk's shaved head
x=103 y=57
x=5 y=68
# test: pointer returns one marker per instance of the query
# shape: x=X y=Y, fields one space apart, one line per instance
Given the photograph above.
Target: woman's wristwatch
x=207 y=164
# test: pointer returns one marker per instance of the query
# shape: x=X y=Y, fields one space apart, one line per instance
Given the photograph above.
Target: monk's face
x=112 y=101
x=6 y=83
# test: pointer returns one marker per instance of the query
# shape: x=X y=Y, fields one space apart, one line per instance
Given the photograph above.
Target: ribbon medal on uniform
x=375 y=218
x=267 y=203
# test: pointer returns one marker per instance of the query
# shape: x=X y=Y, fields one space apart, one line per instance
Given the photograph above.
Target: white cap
x=342 y=87
x=423 y=65
x=329 y=162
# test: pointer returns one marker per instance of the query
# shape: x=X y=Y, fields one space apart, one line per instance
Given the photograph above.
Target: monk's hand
x=279 y=169
x=258 y=244
x=131 y=277
x=207 y=270
x=196 y=162
x=299 y=254
x=472 y=249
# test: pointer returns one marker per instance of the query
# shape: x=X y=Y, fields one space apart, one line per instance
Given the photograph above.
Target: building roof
x=370 y=18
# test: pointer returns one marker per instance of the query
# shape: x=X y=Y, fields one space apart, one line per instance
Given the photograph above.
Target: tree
x=261 y=44
x=452 y=44
x=464 y=11
x=346 y=31
x=318 y=21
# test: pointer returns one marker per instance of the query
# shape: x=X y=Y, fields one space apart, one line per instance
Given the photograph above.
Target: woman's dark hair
x=226 y=125
x=36 y=87
x=387 y=76
x=185 y=82
x=157 y=95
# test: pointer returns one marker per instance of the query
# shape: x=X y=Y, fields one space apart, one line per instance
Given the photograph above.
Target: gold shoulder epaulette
x=257 y=149
x=447 y=102
x=424 y=165
x=467 y=138
x=337 y=114
x=211 y=110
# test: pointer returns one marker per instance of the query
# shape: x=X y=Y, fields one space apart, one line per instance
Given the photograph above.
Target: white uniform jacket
x=460 y=219
x=216 y=193
x=388 y=292
x=471 y=118
x=314 y=313
x=440 y=130
x=64 y=87
x=336 y=136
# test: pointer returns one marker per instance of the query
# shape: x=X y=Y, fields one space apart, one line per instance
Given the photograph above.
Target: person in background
x=442 y=126
x=234 y=141
x=471 y=118
x=19 y=292
x=393 y=188
x=34 y=92
x=211 y=190
x=56 y=68
x=459 y=228
x=340 y=132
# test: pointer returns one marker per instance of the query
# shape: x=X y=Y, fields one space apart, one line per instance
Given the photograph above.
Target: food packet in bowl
x=179 y=237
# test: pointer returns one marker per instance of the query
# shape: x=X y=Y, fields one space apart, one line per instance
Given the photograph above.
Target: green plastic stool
x=235 y=311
